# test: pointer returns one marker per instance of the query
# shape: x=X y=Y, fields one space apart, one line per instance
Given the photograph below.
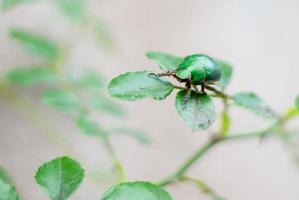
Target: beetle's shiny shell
x=202 y=68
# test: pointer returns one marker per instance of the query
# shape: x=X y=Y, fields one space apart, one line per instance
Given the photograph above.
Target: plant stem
x=180 y=172
x=117 y=164
x=202 y=186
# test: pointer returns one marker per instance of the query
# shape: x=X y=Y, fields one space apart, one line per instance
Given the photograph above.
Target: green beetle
x=197 y=69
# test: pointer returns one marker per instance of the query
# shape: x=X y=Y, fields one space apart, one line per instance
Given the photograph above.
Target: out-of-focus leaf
x=5 y=177
x=197 y=110
x=62 y=101
x=225 y=124
x=107 y=105
x=136 y=191
x=138 y=85
x=7 y=191
x=60 y=178
x=291 y=113
x=86 y=79
x=103 y=34
x=73 y=9
x=297 y=102
x=36 y=44
x=89 y=126
x=226 y=74
x=137 y=134
x=253 y=103
x=28 y=76
x=8 y=4
x=166 y=62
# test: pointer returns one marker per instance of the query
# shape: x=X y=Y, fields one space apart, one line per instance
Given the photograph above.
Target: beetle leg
x=203 y=88
x=188 y=92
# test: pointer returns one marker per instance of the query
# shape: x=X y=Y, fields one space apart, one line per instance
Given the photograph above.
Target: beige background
x=260 y=38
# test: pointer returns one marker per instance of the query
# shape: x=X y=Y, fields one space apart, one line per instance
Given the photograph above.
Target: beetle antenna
x=161 y=74
x=153 y=74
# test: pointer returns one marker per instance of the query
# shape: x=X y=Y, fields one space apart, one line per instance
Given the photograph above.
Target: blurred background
x=259 y=38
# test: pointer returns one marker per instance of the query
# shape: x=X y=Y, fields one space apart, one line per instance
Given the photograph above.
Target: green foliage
x=87 y=79
x=102 y=33
x=138 y=85
x=73 y=9
x=28 y=76
x=253 y=103
x=89 y=126
x=197 y=110
x=7 y=4
x=5 y=177
x=166 y=62
x=226 y=74
x=297 y=102
x=135 y=133
x=7 y=191
x=101 y=103
x=136 y=191
x=36 y=44
x=62 y=100
x=60 y=178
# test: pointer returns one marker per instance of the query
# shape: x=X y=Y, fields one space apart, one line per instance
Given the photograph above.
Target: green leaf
x=137 y=134
x=28 y=76
x=62 y=101
x=226 y=74
x=8 y=192
x=136 y=191
x=102 y=33
x=167 y=62
x=106 y=105
x=197 y=110
x=253 y=103
x=138 y=85
x=60 y=178
x=86 y=79
x=73 y=9
x=36 y=44
x=5 y=177
x=8 y=4
x=297 y=102
x=89 y=126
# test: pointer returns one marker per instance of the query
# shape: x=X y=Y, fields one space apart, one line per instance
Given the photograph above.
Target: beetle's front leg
x=203 y=88
x=188 y=91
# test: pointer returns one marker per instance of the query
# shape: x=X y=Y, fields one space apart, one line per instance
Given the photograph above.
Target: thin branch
x=117 y=164
x=202 y=186
x=180 y=172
